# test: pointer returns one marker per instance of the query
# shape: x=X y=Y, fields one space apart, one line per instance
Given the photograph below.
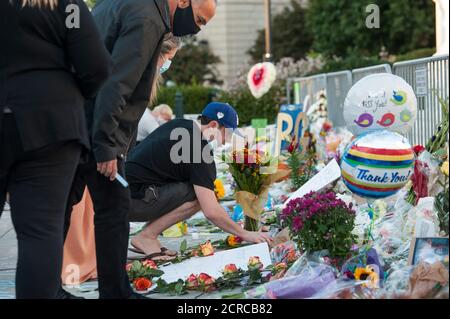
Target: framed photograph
x=428 y=249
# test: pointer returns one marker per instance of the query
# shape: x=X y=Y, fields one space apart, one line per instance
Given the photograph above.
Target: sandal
x=167 y=250
x=164 y=250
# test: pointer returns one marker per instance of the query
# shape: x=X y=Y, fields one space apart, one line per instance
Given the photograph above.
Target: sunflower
x=219 y=190
x=361 y=273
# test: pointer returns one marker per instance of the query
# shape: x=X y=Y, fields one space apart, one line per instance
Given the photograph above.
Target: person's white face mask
x=166 y=66
x=213 y=144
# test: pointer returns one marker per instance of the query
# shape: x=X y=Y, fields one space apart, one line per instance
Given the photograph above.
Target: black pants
x=111 y=205
x=38 y=183
x=160 y=200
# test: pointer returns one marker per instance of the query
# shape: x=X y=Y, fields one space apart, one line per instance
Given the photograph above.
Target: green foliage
x=290 y=37
x=195 y=97
x=339 y=26
x=351 y=61
x=138 y=270
x=194 y=63
x=301 y=166
x=408 y=25
x=337 y=30
x=442 y=208
x=416 y=54
x=248 y=107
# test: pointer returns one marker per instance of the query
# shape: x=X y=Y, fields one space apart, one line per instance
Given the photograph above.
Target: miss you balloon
x=380 y=101
x=377 y=164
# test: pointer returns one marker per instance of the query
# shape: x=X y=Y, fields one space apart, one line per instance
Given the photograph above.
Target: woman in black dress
x=51 y=60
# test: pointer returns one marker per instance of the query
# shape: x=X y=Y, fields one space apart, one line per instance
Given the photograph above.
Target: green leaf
x=180 y=287
x=183 y=246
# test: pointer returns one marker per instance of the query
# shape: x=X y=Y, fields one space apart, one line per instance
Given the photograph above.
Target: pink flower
x=230 y=269
x=254 y=263
x=128 y=267
x=192 y=282
x=149 y=264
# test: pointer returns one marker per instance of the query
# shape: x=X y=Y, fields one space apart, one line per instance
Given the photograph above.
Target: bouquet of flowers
x=321 y=222
x=436 y=146
x=253 y=173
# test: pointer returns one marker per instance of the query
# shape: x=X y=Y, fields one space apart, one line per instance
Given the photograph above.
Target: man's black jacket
x=133 y=32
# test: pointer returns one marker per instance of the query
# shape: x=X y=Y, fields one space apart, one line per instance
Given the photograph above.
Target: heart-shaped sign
x=261 y=78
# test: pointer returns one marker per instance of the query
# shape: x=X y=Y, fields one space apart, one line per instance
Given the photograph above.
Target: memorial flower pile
x=321 y=222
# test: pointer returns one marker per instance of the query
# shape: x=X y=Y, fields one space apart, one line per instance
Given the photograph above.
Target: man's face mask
x=184 y=22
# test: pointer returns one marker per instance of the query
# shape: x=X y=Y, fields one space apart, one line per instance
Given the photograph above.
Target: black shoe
x=135 y=295
x=63 y=294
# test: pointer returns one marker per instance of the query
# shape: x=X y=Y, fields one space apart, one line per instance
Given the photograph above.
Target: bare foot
x=149 y=246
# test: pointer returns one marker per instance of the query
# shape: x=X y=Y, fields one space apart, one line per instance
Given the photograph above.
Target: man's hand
x=109 y=169
x=257 y=237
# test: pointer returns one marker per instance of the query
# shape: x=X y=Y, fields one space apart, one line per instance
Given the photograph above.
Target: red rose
x=149 y=264
x=327 y=126
x=230 y=269
x=418 y=149
x=254 y=263
x=205 y=279
x=192 y=282
x=142 y=284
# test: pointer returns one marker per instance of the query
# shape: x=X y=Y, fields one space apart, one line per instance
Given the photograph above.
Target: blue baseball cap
x=223 y=113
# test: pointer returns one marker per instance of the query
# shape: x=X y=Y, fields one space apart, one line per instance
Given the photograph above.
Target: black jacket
x=48 y=70
x=132 y=31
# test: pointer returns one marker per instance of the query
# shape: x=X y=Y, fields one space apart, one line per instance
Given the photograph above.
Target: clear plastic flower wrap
x=306 y=278
x=397 y=281
x=347 y=289
x=284 y=252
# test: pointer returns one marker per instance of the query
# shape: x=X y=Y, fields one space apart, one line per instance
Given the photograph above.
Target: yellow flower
x=219 y=190
x=368 y=273
x=207 y=249
x=360 y=274
x=233 y=241
x=444 y=168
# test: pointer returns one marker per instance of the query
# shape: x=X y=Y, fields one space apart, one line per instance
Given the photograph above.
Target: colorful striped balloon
x=377 y=164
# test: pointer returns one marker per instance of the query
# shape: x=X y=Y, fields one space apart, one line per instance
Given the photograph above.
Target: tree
x=290 y=37
x=339 y=27
x=194 y=63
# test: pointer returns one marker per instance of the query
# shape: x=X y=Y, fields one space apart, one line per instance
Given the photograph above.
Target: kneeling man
x=171 y=175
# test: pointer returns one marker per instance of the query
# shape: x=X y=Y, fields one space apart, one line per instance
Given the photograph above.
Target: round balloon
x=377 y=164
x=380 y=101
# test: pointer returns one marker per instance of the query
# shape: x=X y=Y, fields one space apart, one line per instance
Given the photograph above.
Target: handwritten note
x=326 y=176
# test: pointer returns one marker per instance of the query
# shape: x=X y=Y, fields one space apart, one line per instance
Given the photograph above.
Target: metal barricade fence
x=338 y=85
x=309 y=87
x=429 y=79
x=427 y=76
x=358 y=74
